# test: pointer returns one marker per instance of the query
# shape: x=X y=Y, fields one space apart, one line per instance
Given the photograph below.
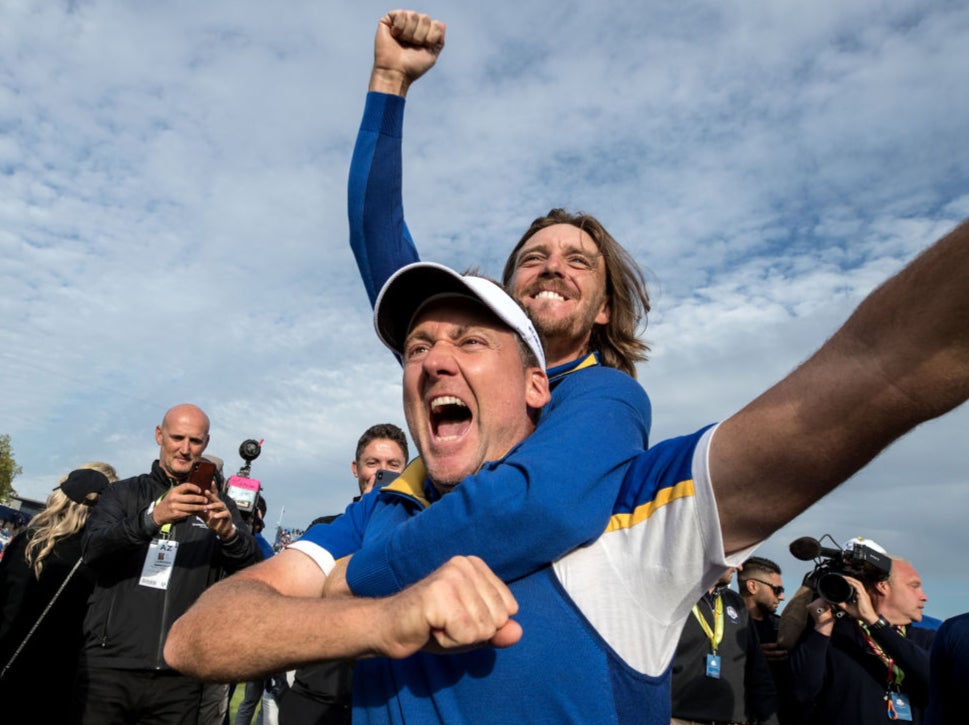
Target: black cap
x=83 y=481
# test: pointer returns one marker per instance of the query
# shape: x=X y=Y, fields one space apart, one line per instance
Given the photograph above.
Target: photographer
x=156 y=542
x=862 y=662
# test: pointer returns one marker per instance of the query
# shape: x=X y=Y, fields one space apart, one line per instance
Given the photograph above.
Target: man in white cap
x=474 y=384
x=863 y=660
x=608 y=614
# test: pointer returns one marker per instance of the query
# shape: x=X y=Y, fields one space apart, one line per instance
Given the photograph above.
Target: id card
x=713 y=666
x=899 y=708
x=157 y=569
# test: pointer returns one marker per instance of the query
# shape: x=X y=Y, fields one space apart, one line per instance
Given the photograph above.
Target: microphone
x=807 y=549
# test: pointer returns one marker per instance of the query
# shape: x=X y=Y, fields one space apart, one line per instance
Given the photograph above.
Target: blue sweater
x=599 y=626
x=551 y=493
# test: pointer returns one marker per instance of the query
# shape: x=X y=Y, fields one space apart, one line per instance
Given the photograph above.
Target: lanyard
x=895 y=673
x=716 y=634
x=166 y=529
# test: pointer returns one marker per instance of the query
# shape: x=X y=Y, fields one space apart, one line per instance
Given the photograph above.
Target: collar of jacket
x=412 y=484
x=560 y=371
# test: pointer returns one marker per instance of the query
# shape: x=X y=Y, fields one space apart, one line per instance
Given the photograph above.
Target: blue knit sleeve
x=344 y=535
x=379 y=237
x=552 y=492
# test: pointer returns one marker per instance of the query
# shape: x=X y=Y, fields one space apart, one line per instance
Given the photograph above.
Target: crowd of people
x=286 y=536
x=859 y=656
x=540 y=560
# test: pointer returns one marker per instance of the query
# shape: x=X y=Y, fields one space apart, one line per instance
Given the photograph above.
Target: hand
x=336 y=581
x=773 y=652
x=861 y=608
x=459 y=606
x=183 y=500
x=406 y=46
x=217 y=515
x=823 y=615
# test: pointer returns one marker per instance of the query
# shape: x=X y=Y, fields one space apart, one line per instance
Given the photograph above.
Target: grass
x=237 y=696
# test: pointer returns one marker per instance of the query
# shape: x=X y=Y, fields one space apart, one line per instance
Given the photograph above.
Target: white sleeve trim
x=637 y=585
x=709 y=515
x=317 y=553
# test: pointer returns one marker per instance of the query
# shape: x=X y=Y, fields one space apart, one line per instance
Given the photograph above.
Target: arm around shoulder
x=552 y=493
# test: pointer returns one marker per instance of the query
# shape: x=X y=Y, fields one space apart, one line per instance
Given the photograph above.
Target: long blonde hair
x=61 y=517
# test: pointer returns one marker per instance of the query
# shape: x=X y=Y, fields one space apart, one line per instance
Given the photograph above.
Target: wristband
x=150 y=522
x=879 y=625
x=231 y=537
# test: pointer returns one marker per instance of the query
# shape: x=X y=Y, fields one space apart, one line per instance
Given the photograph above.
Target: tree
x=9 y=469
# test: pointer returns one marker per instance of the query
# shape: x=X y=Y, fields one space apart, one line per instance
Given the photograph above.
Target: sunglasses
x=773 y=587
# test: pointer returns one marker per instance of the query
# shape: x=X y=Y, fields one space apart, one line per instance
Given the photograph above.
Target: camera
x=832 y=565
x=241 y=488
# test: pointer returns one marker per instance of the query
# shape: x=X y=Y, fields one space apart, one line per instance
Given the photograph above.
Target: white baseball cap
x=861 y=541
x=412 y=287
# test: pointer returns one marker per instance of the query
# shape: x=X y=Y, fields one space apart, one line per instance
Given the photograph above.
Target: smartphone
x=383 y=477
x=203 y=475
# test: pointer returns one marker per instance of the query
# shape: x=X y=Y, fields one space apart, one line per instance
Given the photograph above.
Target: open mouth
x=450 y=418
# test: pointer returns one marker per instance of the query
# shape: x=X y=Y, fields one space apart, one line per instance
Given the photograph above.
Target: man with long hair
x=588 y=302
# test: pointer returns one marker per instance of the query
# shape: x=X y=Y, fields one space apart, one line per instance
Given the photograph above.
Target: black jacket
x=847 y=681
x=37 y=687
x=127 y=623
x=745 y=691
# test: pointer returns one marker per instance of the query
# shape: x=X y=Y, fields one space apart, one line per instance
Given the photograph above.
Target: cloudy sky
x=173 y=217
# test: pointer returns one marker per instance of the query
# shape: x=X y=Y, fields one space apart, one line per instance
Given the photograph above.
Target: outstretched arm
x=902 y=358
x=270 y=618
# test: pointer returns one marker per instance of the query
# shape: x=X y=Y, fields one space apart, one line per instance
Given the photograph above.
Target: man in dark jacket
x=869 y=664
x=762 y=588
x=719 y=671
x=157 y=541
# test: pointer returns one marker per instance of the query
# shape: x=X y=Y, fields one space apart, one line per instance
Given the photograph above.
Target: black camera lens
x=250 y=449
x=835 y=588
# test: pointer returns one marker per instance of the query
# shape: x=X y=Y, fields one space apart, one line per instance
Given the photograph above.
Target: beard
x=577 y=325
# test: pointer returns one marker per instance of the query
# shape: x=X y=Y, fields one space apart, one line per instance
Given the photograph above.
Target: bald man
x=157 y=542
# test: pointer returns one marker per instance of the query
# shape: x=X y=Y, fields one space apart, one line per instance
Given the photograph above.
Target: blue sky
x=173 y=221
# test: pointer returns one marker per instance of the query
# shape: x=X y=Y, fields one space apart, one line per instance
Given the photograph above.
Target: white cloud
x=173 y=223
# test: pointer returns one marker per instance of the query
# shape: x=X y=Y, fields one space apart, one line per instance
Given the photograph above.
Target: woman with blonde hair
x=44 y=587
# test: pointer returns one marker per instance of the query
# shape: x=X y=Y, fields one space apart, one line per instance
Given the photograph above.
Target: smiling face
x=467 y=392
x=182 y=438
x=560 y=279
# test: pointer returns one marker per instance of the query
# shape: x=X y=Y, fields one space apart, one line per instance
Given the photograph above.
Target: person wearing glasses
x=760 y=584
x=720 y=674
x=761 y=587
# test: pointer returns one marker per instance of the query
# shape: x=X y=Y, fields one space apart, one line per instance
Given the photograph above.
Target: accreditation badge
x=713 y=666
x=899 y=708
x=159 y=561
